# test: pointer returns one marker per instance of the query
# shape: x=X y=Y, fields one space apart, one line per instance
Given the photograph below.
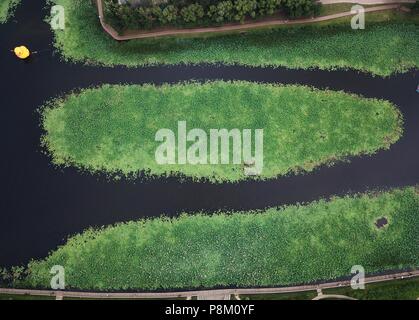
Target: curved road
x=42 y=205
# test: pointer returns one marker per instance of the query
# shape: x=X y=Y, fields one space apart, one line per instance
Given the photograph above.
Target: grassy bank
x=113 y=128
x=393 y=290
x=293 y=245
x=4 y=297
x=6 y=9
x=306 y=295
x=407 y=289
x=382 y=48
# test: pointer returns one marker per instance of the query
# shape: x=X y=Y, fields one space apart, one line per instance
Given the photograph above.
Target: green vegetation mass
x=6 y=9
x=304 y=295
x=293 y=245
x=407 y=289
x=113 y=128
x=4 y=297
x=382 y=48
x=146 y=14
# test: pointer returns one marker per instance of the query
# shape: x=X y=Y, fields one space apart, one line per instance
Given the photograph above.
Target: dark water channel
x=42 y=205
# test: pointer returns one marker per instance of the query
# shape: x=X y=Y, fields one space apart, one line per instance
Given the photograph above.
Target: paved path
x=203 y=293
x=214 y=297
x=333 y=296
x=389 y=5
x=322 y=296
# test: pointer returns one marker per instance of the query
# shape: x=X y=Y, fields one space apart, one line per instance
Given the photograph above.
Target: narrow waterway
x=42 y=205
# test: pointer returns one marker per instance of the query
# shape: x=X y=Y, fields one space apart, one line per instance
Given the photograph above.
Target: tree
x=17 y=273
x=244 y=8
x=415 y=6
x=267 y=7
x=170 y=14
x=145 y=17
x=127 y=16
x=5 y=276
x=221 y=12
x=300 y=8
x=192 y=13
x=112 y=15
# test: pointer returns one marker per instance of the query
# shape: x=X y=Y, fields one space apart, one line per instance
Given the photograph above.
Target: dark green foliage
x=300 y=8
x=293 y=245
x=221 y=12
x=192 y=13
x=204 y=12
x=7 y=8
x=407 y=289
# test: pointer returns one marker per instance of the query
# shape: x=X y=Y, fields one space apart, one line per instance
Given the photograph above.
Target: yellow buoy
x=22 y=52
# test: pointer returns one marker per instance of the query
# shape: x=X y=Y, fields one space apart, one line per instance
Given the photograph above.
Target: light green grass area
x=389 y=44
x=113 y=128
x=23 y=297
x=307 y=295
x=293 y=245
x=393 y=290
x=6 y=9
x=407 y=289
x=30 y=297
x=328 y=9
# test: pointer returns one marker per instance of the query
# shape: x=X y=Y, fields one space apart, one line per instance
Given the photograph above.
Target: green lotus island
x=389 y=44
x=292 y=245
x=6 y=9
x=114 y=129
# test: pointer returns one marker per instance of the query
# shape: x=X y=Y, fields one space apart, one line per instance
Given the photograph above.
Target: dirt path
x=239 y=27
x=203 y=293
